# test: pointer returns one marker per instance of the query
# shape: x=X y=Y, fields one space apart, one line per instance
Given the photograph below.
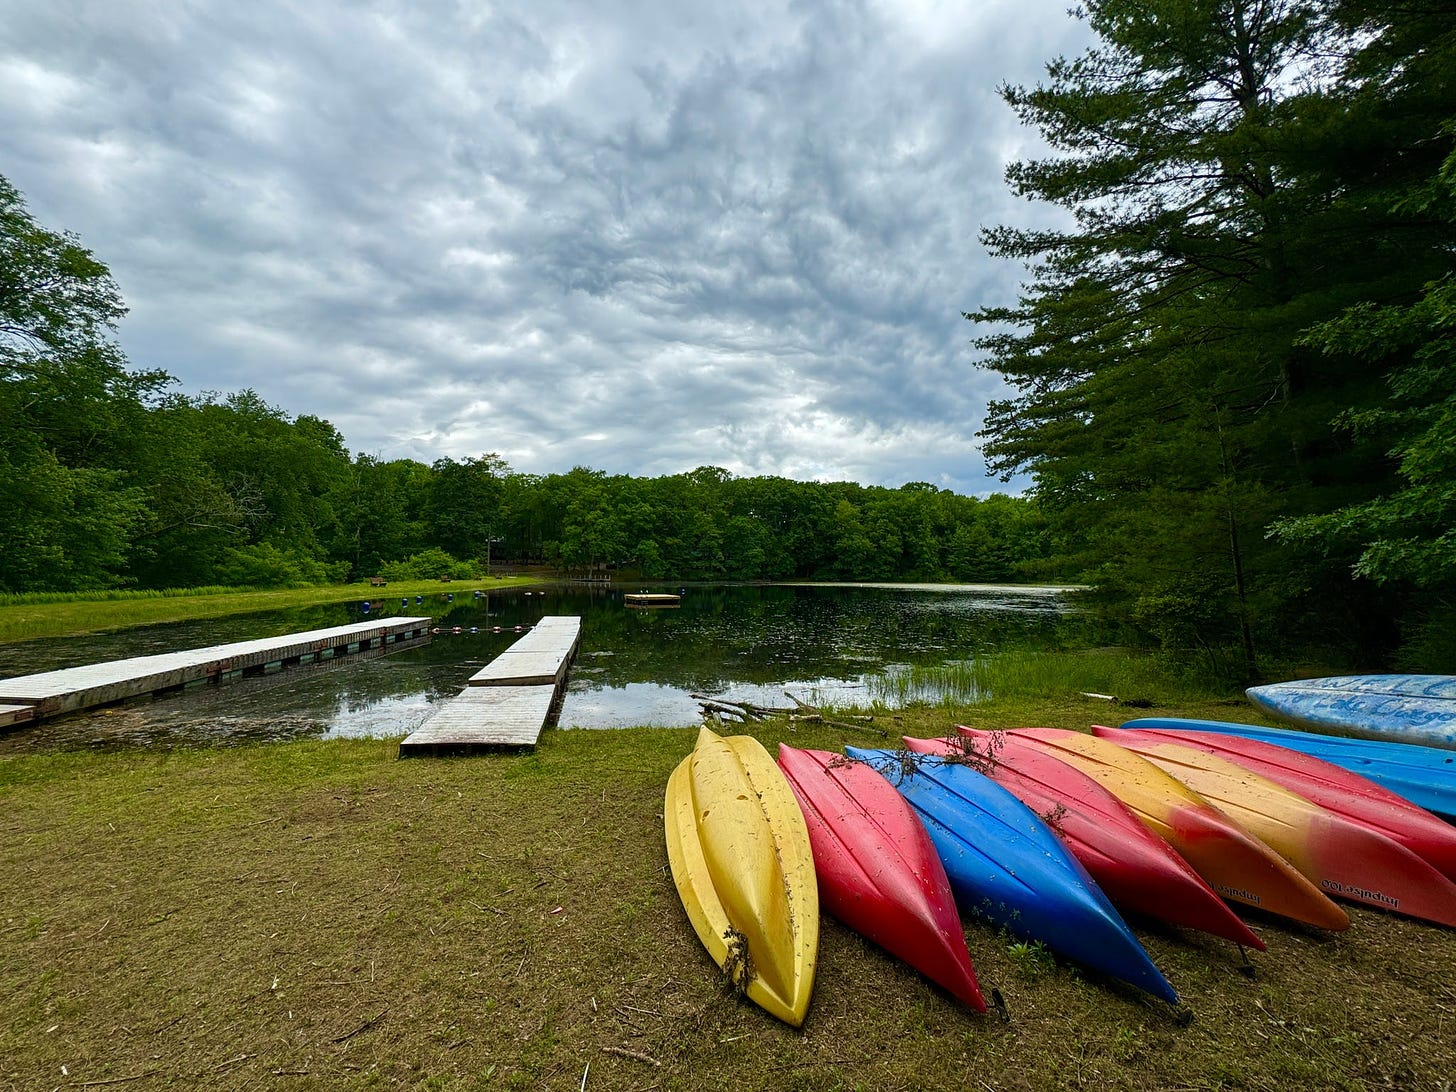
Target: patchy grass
x=320 y=915
x=25 y=618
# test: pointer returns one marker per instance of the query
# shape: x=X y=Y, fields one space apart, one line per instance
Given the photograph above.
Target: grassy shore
x=26 y=620
x=322 y=915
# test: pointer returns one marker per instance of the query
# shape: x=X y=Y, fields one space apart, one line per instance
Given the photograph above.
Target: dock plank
x=541 y=656
x=484 y=717
x=70 y=689
x=15 y=714
x=562 y=641
x=509 y=701
x=523 y=669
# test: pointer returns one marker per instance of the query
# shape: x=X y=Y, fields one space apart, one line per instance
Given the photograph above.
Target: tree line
x=110 y=478
x=1234 y=367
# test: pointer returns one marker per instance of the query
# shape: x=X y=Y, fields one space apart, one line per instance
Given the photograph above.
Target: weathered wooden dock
x=15 y=714
x=508 y=702
x=539 y=658
x=50 y=693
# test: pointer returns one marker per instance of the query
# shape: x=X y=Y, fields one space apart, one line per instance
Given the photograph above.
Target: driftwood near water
x=746 y=712
x=1132 y=703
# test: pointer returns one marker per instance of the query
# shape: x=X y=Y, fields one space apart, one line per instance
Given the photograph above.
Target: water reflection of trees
x=719 y=638
x=763 y=634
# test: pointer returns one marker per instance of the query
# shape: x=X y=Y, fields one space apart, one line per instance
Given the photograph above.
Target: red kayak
x=1235 y=863
x=1333 y=787
x=878 y=871
x=1135 y=868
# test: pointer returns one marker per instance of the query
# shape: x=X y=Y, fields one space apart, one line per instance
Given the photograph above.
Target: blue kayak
x=1426 y=776
x=1400 y=708
x=1006 y=866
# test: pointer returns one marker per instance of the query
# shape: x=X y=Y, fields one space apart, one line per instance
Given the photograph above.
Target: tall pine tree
x=1403 y=85
x=1165 y=398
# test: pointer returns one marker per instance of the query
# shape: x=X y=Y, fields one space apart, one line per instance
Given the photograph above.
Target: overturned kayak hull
x=1005 y=866
x=1425 y=776
x=1403 y=708
x=878 y=870
x=1135 y=868
x=1236 y=864
x=741 y=859
x=1346 y=858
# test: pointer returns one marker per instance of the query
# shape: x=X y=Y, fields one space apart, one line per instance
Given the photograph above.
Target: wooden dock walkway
x=539 y=658
x=508 y=702
x=68 y=690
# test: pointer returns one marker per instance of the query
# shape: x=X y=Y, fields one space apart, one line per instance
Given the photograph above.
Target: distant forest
x=109 y=479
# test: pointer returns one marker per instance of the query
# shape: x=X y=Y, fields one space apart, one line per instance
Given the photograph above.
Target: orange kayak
x=1341 y=788
x=1235 y=863
x=1347 y=859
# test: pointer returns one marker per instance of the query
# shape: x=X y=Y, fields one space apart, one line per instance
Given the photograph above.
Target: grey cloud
x=635 y=236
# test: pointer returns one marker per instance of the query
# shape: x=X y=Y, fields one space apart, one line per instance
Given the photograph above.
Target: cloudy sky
x=637 y=236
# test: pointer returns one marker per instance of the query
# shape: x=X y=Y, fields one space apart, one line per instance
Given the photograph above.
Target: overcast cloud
x=641 y=237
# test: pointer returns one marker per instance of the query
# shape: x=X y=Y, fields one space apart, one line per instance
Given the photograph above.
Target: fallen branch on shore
x=856 y=722
x=747 y=712
x=728 y=709
x=747 y=709
x=635 y=1055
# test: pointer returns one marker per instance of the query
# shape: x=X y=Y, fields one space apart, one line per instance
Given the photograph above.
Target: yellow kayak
x=739 y=850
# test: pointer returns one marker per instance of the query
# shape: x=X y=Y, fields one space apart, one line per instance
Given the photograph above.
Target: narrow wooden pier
x=508 y=702
x=50 y=693
x=539 y=658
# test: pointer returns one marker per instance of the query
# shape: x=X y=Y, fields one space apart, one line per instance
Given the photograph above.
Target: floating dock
x=15 y=714
x=651 y=599
x=509 y=701
x=69 y=690
x=540 y=658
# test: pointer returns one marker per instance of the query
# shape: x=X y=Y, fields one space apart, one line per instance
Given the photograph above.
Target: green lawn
x=322 y=915
x=24 y=621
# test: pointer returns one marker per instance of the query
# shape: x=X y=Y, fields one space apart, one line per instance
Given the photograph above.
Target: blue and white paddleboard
x=1403 y=708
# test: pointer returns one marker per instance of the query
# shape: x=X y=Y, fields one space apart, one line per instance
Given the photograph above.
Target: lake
x=826 y=644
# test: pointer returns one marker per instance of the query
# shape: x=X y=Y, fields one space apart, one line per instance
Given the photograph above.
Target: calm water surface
x=826 y=644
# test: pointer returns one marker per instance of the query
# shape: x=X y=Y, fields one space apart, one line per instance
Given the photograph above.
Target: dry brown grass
x=321 y=915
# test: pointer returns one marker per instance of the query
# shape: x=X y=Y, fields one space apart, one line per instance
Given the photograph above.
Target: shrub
x=262 y=565
x=429 y=564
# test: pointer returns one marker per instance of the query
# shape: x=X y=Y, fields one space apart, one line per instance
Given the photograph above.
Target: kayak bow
x=878 y=871
x=740 y=857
